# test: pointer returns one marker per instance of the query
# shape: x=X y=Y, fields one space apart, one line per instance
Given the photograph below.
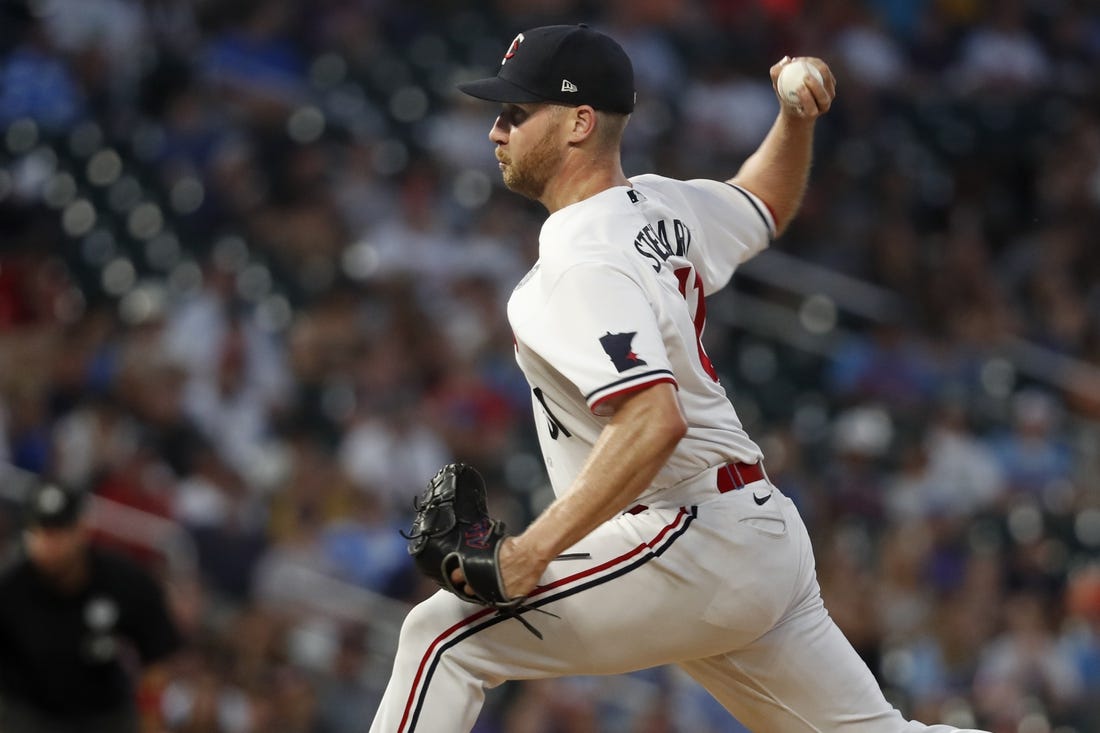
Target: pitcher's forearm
x=779 y=170
x=629 y=453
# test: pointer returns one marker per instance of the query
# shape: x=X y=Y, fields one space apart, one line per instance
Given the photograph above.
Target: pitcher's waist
x=730 y=477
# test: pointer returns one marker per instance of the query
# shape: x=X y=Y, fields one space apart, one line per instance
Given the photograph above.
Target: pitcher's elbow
x=674 y=429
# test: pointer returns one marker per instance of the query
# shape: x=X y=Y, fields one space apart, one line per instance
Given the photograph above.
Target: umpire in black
x=78 y=625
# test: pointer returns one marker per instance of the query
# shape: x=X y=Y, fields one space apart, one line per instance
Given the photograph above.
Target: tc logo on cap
x=512 y=49
x=571 y=65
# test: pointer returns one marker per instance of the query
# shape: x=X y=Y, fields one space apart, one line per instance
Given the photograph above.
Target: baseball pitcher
x=666 y=543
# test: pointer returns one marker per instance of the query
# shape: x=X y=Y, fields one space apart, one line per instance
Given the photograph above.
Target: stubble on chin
x=529 y=176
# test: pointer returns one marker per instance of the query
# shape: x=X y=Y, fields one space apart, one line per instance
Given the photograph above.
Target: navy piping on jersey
x=624 y=380
x=685 y=514
x=763 y=218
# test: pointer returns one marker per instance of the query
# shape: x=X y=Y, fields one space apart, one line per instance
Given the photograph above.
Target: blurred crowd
x=254 y=256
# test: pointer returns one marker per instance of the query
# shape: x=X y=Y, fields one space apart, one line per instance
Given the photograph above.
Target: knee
x=428 y=622
x=435 y=631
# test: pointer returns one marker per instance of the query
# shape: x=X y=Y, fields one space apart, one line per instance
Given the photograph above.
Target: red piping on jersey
x=429 y=653
x=752 y=199
x=769 y=208
x=630 y=389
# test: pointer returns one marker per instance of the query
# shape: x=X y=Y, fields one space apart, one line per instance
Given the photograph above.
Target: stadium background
x=253 y=261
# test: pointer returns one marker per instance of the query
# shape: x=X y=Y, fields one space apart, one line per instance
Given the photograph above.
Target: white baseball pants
x=725 y=587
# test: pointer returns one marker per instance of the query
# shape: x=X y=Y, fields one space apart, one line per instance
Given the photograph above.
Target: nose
x=498 y=134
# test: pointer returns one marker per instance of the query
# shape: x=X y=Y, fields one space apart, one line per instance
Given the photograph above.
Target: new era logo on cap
x=565 y=64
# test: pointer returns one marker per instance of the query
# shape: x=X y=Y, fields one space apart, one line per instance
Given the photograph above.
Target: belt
x=735 y=475
x=730 y=477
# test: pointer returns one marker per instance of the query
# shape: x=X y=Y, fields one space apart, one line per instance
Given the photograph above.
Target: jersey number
x=551 y=419
x=691 y=287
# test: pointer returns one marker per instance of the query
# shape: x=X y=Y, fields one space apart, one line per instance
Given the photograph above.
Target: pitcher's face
x=529 y=146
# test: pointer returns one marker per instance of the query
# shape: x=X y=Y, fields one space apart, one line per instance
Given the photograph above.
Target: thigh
x=630 y=595
x=803 y=675
x=642 y=590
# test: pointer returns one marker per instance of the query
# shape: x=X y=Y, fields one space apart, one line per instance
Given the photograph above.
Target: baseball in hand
x=791 y=79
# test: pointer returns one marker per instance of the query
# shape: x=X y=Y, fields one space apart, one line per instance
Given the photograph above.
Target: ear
x=583 y=123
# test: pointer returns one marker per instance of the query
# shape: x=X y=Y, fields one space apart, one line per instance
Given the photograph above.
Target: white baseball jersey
x=720 y=583
x=616 y=303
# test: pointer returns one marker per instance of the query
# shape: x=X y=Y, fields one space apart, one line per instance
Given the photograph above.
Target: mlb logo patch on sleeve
x=619 y=347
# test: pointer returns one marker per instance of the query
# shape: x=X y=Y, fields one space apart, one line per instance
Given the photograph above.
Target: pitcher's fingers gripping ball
x=452 y=531
x=805 y=85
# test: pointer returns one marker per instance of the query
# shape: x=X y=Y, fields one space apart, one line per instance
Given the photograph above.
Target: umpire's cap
x=52 y=505
x=564 y=64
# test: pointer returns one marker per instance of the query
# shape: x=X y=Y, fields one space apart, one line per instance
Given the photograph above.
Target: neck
x=582 y=175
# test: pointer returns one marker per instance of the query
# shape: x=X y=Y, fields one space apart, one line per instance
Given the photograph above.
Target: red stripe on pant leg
x=610 y=563
x=541 y=589
x=428 y=654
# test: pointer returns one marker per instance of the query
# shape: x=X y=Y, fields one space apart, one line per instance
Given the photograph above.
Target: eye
x=514 y=115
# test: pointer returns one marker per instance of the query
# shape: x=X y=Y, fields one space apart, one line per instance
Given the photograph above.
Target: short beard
x=538 y=166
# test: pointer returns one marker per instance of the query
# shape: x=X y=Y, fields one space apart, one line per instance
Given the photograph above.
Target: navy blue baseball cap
x=563 y=64
x=52 y=505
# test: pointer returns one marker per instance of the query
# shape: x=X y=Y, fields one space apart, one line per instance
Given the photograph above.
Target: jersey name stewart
x=616 y=303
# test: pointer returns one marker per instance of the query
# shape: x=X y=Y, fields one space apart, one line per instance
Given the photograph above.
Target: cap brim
x=495 y=89
x=55 y=522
